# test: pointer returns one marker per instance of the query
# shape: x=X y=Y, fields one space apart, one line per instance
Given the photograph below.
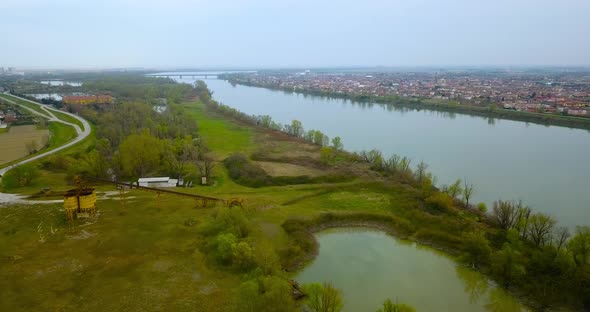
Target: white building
x=157 y=182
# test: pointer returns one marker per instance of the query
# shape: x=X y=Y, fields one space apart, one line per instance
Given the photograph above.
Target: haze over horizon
x=270 y=34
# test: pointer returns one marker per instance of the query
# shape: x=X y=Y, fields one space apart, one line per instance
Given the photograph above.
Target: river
x=371 y=266
x=544 y=166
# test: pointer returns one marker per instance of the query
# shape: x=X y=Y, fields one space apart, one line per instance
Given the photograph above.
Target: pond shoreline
x=314 y=229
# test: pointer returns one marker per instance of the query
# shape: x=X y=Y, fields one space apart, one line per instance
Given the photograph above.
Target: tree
x=389 y=306
x=264 y=294
x=561 y=234
x=337 y=144
x=579 y=246
x=421 y=171
x=179 y=154
x=504 y=213
x=205 y=164
x=323 y=298
x=540 y=228
x=22 y=175
x=140 y=154
x=507 y=264
x=477 y=249
x=455 y=189
x=296 y=128
x=467 y=192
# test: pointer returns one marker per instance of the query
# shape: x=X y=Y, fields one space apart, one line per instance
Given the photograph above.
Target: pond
x=371 y=266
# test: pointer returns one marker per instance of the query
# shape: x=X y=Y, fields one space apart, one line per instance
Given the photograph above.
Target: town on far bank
x=551 y=91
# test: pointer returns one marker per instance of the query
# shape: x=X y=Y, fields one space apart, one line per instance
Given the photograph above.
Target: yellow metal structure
x=79 y=202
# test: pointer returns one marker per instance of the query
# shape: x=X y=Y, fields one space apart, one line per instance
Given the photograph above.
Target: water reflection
x=475 y=284
x=371 y=266
x=500 y=301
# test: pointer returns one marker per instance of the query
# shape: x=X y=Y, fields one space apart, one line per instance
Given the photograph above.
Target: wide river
x=542 y=165
x=547 y=167
x=371 y=266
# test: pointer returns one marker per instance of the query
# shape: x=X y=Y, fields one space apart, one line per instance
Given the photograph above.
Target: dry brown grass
x=13 y=143
x=277 y=169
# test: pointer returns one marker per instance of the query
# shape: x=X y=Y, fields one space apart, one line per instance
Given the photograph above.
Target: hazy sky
x=293 y=33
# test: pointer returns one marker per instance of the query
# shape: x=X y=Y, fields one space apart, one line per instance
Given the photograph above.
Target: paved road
x=82 y=133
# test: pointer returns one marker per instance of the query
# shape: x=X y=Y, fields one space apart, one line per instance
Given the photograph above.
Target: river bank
x=442 y=106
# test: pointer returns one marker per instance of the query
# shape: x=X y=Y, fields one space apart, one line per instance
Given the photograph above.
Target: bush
x=20 y=176
x=440 y=202
x=244 y=172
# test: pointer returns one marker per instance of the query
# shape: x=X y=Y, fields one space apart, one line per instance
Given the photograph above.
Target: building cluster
x=551 y=92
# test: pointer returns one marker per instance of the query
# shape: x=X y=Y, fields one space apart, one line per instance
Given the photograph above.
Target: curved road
x=82 y=133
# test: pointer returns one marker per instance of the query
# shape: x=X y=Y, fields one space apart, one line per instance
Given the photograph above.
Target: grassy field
x=145 y=255
x=60 y=134
x=67 y=118
x=25 y=103
x=13 y=143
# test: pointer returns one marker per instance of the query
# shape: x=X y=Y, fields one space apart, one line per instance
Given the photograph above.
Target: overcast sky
x=293 y=33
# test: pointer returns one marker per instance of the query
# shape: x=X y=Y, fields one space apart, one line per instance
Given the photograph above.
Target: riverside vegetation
x=211 y=259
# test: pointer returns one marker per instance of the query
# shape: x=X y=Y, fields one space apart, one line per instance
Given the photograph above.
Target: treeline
x=133 y=140
x=138 y=87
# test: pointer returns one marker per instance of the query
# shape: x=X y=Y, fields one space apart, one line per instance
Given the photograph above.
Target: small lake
x=371 y=266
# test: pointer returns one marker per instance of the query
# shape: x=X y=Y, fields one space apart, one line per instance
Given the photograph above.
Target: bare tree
x=540 y=228
x=421 y=171
x=467 y=192
x=504 y=214
x=521 y=223
x=205 y=165
x=561 y=236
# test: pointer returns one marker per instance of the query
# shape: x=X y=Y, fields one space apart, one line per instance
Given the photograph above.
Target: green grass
x=60 y=134
x=49 y=264
x=30 y=105
x=68 y=118
x=3 y=130
x=222 y=136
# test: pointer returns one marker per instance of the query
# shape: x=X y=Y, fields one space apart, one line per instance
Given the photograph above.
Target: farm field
x=13 y=143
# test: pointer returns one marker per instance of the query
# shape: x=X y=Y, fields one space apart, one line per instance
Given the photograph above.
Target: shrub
x=440 y=202
x=20 y=176
x=244 y=172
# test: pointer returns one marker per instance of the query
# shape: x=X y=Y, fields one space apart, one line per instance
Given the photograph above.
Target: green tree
x=507 y=265
x=477 y=249
x=140 y=154
x=242 y=256
x=455 y=189
x=337 y=144
x=20 y=176
x=323 y=297
x=389 y=306
x=264 y=294
x=579 y=246
x=296 y=129
x=225 y=247
x=327 y=155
